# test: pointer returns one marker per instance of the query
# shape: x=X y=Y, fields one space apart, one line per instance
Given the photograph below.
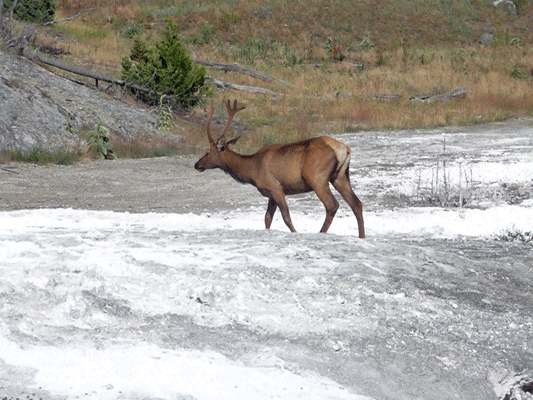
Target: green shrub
x=132 y=31
x=38 y=11
x=163 y=115
x=99 y=141
x=166 y=68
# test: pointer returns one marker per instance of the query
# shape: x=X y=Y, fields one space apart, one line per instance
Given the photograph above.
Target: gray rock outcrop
x=39 y=109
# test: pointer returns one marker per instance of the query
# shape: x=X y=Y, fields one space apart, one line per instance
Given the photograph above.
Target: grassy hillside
x=336 y=54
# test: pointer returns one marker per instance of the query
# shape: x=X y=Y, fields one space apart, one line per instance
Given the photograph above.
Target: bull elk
x=283 y=169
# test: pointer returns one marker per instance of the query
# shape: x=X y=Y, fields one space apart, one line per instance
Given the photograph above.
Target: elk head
x=213 y=158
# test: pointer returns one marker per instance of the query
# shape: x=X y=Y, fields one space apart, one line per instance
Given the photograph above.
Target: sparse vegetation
x=148 y=148
x=100 y=142
x=447 y=187
x=515 y=235
x=336 y=58
x=41 y=156
x=163 y=114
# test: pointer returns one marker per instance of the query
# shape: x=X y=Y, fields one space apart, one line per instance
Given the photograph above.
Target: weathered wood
x=453 y=95
x=99 y=77
x=238 y=68
x=383 y=97
x=252 y=89
x=72 y=17
x=89 y=74
x=31 y=55
x=7 y=169
x=5 y=31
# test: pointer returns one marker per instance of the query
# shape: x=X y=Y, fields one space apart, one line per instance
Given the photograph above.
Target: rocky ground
x=40 y=109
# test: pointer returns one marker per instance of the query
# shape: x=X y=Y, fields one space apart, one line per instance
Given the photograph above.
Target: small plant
x=290 y=57
x=254 y=49
x=163 y=115
x=459 y=60
x=366 y=44
x=517 y=72
x=99 y=141
x=335 y=49
x=132 y=31
x=515 y=235
x=230 y=19
x=445 y=189
x=69 y=126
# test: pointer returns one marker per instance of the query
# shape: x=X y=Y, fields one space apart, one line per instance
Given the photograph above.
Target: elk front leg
x=271 y=209
x=279 y=199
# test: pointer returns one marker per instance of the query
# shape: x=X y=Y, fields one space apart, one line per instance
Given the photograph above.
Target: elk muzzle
x=198 y=166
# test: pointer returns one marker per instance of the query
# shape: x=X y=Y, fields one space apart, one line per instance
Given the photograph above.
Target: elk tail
x=342 y=153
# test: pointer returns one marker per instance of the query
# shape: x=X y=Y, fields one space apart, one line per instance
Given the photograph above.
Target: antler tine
x=231 y=114
x=208 y=122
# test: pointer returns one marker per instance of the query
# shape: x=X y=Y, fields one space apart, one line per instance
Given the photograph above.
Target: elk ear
x=233 y=141
x=221 y=144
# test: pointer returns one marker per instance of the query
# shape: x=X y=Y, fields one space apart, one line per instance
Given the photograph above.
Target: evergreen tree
x=165 y=67
x=38 y=11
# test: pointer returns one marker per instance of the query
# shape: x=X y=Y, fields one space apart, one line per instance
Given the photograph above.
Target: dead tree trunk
x=36 y=57
x=241 y=70
x=252 y=89
x=453 y=95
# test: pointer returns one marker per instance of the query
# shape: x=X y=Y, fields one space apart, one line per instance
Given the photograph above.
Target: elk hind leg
x=343 y=186
x=271 y=209
x=330 y=203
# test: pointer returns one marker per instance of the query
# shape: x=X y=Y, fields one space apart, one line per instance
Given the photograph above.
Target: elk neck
x=240 y=167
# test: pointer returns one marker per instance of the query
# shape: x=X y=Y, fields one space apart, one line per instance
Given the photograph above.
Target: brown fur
x=284 y=169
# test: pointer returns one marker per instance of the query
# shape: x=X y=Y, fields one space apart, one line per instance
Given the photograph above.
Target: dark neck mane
x=238 y=166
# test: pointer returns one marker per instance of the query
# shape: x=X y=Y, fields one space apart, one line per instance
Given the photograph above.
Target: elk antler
x=231 y=114
x=208 y=122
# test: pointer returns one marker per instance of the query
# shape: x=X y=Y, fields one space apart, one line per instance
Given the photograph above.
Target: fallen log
x=242 y=70
x=453 y=95
x=252 y=89
x=36 y=57
x=383 y=97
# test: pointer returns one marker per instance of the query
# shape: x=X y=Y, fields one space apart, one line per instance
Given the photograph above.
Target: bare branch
x=7 y=168
x=21 y=42
x=8 y=33
x=71 y=18
x=150 y=80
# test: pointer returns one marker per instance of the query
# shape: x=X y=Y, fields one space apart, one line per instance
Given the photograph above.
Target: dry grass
x=406 y=47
